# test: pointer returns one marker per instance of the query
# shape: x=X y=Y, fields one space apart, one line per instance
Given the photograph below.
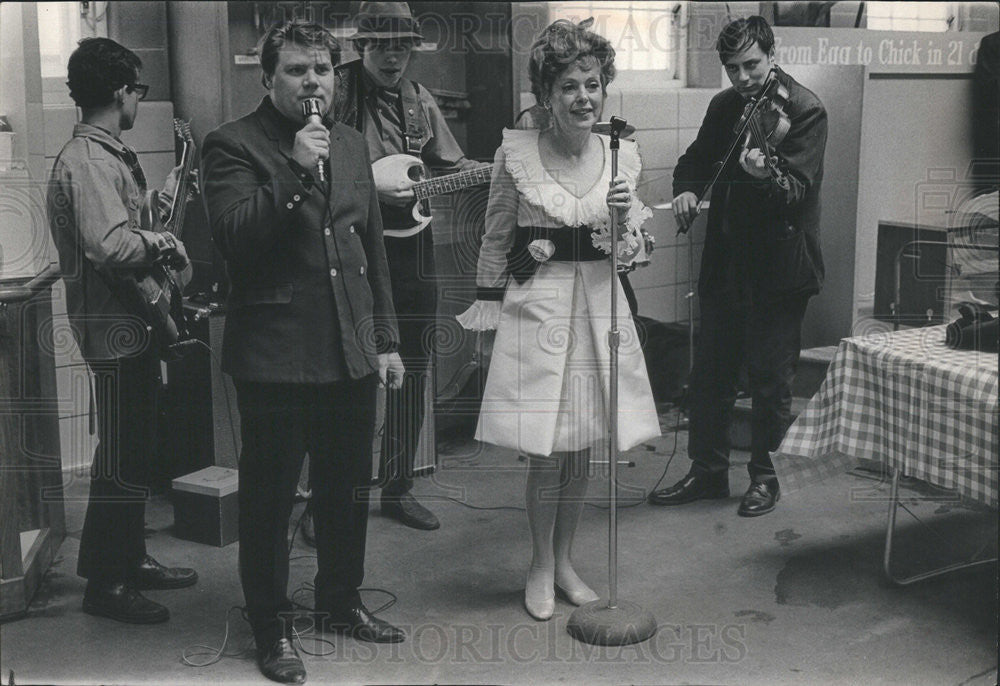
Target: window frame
x=641 y=79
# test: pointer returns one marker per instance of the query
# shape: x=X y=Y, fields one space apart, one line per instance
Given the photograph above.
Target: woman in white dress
x=544 y=278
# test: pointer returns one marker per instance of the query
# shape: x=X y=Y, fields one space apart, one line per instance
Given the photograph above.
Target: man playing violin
x=761 y=261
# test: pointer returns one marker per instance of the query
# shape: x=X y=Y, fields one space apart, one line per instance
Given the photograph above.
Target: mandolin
x=395 y=170
x=161 y=303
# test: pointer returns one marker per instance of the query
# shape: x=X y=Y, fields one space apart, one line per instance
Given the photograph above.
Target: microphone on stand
x=615 y=621
x=312 y=112
x=618 y=126
x=623 y=128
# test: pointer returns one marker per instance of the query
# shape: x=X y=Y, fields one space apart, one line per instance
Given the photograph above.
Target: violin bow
x=745 y=123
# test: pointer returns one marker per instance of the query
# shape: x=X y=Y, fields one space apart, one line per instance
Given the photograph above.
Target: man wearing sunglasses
x=96 y=192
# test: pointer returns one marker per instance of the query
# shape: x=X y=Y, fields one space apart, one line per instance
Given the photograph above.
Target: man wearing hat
x=397 y=115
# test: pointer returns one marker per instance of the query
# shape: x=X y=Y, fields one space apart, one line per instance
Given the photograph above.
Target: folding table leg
x=887 y=558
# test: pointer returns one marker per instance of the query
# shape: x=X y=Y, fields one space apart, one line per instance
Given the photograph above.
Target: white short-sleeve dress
x=548 y=384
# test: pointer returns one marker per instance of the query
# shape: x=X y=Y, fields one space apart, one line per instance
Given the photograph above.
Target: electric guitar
x=395 y=170
x=160 y=301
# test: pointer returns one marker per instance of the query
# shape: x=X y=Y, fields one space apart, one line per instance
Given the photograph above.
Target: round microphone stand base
x=597 y=624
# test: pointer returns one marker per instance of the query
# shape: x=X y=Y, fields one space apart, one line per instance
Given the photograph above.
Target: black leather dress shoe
x=405 y=509
x=692 y=487
x=279 y=661
x=150 y=575
x=759 y=498
x=357 y=622
x=121 y=601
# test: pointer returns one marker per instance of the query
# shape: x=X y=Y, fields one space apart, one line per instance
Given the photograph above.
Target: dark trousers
x=414 y=293
x=767 y=339
x=125 y=394
x=279 y=424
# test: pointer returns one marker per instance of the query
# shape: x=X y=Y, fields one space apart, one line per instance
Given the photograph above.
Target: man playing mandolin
x=761 y=261
x=396 y=116
x=96 y=193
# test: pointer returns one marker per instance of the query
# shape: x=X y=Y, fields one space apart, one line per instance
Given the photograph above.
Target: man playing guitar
x=96 y=192
x=396 y=116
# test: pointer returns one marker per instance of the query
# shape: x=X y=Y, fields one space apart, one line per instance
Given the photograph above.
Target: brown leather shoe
x=150 y=575
x=120 y=601
x=279 y=661
x=760 y=498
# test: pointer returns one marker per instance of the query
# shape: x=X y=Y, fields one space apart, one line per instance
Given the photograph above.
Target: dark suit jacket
x=310 y=300
x=762 y=242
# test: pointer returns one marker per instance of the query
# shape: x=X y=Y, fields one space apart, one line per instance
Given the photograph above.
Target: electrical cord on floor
x=200 y=650
x=308 y=587
x=303 y=623
x=470 y=506
x=670 y=458
x=673 y=450
x=299 y=636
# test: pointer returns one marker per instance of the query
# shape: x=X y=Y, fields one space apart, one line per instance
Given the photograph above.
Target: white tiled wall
x=666 y=122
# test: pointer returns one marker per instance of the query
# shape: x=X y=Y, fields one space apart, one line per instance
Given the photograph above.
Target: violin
x=764 y=125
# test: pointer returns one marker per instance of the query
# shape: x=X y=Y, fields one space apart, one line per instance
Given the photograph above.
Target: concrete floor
x=792 y=597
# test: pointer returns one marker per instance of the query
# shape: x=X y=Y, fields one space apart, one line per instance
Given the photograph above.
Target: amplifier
x=199 y=422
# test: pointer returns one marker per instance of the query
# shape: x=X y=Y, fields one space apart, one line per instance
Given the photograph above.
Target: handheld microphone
x=311 y=109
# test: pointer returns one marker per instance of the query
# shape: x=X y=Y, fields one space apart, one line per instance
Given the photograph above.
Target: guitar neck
x=453 y=182
x=178 y=205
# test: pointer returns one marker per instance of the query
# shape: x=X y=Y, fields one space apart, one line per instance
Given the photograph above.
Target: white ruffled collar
x=539 y=188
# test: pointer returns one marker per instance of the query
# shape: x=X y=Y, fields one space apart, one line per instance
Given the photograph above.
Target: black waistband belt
x=572 y=244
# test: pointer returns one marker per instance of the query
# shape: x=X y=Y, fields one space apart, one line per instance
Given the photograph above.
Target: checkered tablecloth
x=905 y=399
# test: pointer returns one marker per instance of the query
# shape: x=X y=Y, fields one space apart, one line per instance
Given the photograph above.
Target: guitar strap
x=413 y=120
x=349 y=105
x=129 y=159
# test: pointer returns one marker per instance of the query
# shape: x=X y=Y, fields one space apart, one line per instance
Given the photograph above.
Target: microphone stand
x=615 y=621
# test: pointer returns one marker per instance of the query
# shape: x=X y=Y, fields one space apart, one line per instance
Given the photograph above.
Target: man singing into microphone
x=310 y=328
x=760 y=265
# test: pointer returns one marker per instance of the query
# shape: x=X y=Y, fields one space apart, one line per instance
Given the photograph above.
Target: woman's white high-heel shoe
x=578 y=597
x=540 y=609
